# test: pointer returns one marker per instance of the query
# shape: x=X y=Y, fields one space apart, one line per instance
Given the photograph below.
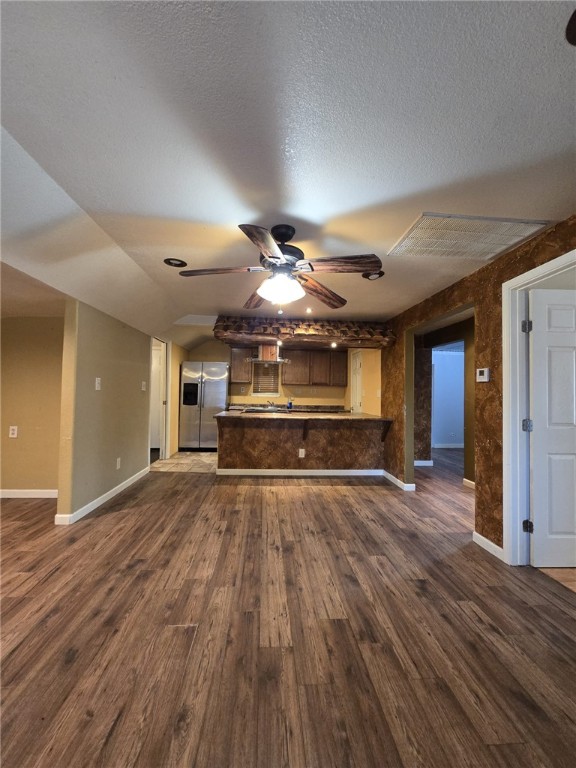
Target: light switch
x=482 y=374
x=143 y=386
x=98 y=383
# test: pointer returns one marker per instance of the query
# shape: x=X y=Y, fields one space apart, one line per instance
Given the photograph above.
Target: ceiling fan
x=290 y=279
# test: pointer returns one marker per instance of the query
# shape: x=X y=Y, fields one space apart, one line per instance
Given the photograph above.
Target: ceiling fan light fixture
x=281 y=289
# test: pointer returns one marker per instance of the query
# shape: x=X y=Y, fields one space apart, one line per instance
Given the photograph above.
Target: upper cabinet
x=339 y=369
x=317 y=367
x=297 y=371
x=241 y=365
x=320 y=367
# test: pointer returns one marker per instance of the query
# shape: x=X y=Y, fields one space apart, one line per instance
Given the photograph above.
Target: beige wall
x=212 y=351
x=177 y=355
x=97 y=427
x=31 y=380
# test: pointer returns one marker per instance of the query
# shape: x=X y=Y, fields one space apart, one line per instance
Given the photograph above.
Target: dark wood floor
x=216 y=622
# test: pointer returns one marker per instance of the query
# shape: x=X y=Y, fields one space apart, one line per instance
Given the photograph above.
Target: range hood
x=268 y=353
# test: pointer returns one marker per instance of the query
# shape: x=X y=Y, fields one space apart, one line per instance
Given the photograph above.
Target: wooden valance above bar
x=249 y=331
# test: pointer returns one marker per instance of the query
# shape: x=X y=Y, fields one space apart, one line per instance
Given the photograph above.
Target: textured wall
x=483 y=290
x=422 y=403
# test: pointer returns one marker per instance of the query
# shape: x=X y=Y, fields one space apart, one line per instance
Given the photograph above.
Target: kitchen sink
x=264 y=409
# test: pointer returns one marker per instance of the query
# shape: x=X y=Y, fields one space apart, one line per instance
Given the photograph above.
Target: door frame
x=515 y=405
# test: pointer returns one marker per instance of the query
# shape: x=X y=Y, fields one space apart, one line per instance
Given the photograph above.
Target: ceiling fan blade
x=368 y=262
x=264 y=241
x=220 y=271
x=254 y=301
x=320 y=292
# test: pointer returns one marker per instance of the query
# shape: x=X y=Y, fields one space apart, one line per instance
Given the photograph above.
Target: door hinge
x=527 y=526
x=527 y=425
x=526 y=326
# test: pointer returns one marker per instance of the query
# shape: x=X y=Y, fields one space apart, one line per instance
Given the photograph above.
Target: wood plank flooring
x=217 y=622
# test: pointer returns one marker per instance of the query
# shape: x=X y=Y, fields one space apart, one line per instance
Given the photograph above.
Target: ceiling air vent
x=446 y=235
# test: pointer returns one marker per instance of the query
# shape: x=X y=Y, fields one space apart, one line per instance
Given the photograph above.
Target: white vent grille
x=464 y=237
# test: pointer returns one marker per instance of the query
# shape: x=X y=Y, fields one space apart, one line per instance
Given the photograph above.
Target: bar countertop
x=295 y=415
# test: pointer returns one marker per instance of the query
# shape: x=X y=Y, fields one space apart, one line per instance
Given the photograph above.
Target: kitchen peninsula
x=292 y=443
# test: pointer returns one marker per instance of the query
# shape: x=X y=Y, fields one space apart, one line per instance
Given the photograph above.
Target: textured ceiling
x=133 y=132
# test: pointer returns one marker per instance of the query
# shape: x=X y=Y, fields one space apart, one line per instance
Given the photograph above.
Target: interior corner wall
x=31 y=373
x=177 y=355
x=100 y=426
x=483 y=291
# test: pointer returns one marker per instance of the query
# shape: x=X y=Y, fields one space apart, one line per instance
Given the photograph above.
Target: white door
x=553 y=439
x=158 y=397
x=356 y=381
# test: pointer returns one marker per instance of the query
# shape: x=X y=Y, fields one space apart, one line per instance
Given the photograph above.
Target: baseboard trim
x=319 y=473
x=32 y=493
x=489 y=546
x=91 y=506
x=423 y=463
x=303 y=472
x=469 y=483
x=395 y=481
x=448 y=445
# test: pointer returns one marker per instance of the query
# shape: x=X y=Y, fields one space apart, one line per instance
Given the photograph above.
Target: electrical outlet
x=143 y=387
x=118 y=463
x=98 y=383
x=12 y=431
x=242 y=390
x=301 y=453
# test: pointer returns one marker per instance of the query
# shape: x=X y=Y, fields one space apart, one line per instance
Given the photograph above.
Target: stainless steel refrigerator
x=203 y=393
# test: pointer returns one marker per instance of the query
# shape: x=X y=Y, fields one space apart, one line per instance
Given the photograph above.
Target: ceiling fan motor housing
x=282 y=233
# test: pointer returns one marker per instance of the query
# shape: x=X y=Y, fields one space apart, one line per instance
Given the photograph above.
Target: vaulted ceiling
x=138 y=131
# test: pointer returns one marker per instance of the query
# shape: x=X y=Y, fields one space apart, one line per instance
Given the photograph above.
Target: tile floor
x=187 y=461
x=566 y=576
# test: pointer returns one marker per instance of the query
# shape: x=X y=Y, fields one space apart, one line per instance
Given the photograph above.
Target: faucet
x=271 y=403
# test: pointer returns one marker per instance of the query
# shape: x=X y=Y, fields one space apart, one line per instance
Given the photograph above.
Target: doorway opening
x=440 y=415
x=447 y=422
x=158 y=400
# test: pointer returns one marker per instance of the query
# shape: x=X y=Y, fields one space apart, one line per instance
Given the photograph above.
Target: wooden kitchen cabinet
x=320 y=367
x=329 y=368
x=297 y=371
x=240 y=367
x=316 y=367
x=339 y=369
